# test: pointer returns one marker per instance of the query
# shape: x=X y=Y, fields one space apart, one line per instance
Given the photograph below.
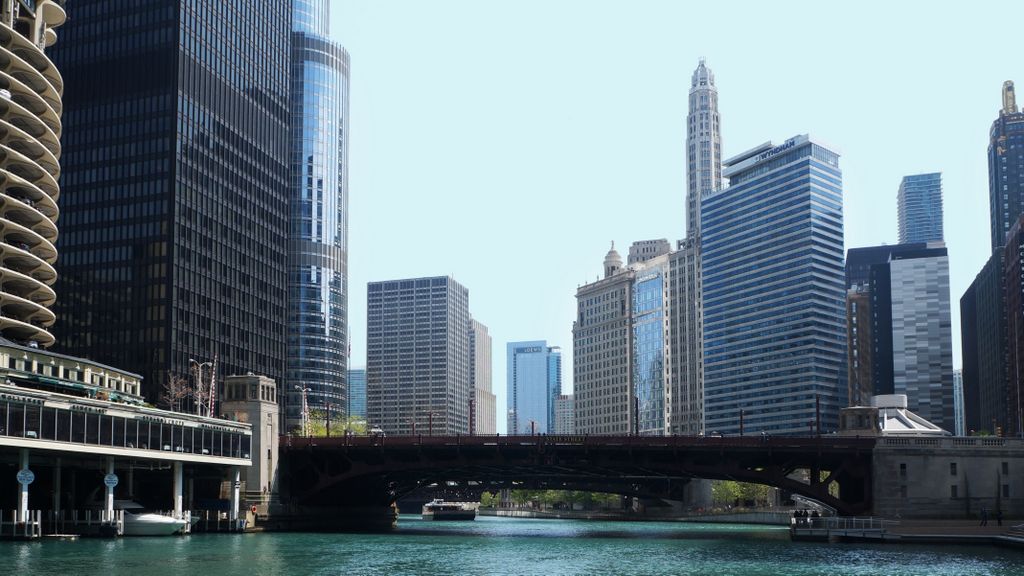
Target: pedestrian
x=984 y=517
x=999 y=516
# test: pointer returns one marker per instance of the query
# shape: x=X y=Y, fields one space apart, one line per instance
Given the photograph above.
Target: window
x=953 y=491
x=1006 y=490
x=903 y=470
x=952 y=468
x=1006 y=468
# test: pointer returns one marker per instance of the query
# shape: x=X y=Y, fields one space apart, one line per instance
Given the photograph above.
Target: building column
x=236 y=484
x=178 y=485
x=56 y=485
x=131 y=481
x=23 y=488
x=109 y=501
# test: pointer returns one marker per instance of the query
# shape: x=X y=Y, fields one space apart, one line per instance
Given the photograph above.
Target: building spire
x=703 y=145
x=1009 y=99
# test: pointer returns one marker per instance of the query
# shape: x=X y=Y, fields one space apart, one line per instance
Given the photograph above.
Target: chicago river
x=506 y=546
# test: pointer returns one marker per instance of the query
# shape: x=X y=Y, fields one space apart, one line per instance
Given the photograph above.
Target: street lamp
x=304 y=414
x=199 y=390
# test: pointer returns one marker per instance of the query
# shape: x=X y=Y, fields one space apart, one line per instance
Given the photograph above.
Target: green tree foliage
x=318 y=425
x=732 y=493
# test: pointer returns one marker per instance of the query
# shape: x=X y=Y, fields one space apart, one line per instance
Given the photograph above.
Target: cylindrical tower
x=30 y=109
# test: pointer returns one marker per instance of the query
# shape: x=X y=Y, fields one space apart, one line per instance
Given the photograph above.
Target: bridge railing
x=552 y=440
x=842 y=523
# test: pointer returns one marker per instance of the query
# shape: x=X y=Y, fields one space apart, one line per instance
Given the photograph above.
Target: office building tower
x=650 y=361
x=644 y=250
x=773 y=293
x=565 y=422
x=175 y=179
x=602 y=351
x=983 y=333
x=685 y=399
x=902 y=343
x=1006 y=168
x=1013 y=291
x=31 y=111
x=317 y=337
x=958 y=402
x=703 y=146
x=534 y=383
x=484 y=403
x=357 y=393
x=919 y=208
x=418 y=357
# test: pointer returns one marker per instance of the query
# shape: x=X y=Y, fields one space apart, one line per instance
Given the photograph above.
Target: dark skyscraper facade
x=1006 y=167
x=317 y=353
x=175 y=180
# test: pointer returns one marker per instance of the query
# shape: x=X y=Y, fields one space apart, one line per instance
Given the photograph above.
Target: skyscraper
x=919 y=207
x=565 y=415
x=357 y=393
x=908 y=327
x=1006 y=167
x=772 y=261
x=31 y=112
x=534 y=384
x=484 y=406
x=958 y=402
x=317 y=353
x=1013 y=291
x=703 y=145
x=983 y=332
x=418 y=356
x=175 y=172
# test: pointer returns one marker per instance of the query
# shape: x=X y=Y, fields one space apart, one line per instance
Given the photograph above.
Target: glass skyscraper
x=1006 y=167
x=175 y=178
x=534 y=385
x=774 y=321
x=648 y=323
x=357 y=393
x=317 y=354
x=919 y=208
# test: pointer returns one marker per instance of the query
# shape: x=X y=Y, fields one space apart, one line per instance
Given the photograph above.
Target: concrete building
x=644 y=250
x=772 y=286
x=357 y=393
x=565 y=415
x=1006 y=168
x=602 y=351
x=983 y=333
x=685 y=340
x=909 y=348
x=253 y=400
x=175 y=167
x=859 y=347
x=485 y=414
x=418 y=356
x=703 y=146
x=1013 y=292
x=919 y=208
x=534 y=383
x=317 y=259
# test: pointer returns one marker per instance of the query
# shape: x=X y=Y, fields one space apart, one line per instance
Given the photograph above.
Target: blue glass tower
x=919 y=206
x=774 y=321
x=534 y=384
x=649 y=349
x=317 y=357
x=357 y=393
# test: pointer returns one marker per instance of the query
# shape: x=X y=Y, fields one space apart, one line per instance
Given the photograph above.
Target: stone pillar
x=56 y=485
x=108 y=505
x=131 y=481
x=236 y=484
x=178 y=486
x=23 y=488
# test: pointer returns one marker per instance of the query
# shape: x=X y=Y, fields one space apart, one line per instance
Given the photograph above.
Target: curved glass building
x=317 y=360
x=30 y=110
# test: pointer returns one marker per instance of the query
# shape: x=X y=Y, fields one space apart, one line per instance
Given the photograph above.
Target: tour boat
x=438 y=509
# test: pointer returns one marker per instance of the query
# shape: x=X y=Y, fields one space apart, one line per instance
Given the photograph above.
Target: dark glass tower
x=1006 y=168
x=318 y=217
x=175 y=181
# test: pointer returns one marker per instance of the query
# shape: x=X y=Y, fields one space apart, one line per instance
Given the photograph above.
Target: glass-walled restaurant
x=61 y=421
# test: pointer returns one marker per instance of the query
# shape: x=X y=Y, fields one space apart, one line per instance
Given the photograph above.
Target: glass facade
x=534 y=385
x=357 y=393
x=774 y=320
x=175 y=175
x=317 y=354
x=1005 y=173
x=919 y=207
x=648 y=321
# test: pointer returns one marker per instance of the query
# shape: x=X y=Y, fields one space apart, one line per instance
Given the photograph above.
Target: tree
x=175 y=391
x=317 y=427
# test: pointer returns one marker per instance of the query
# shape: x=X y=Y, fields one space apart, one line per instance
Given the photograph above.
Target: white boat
x=140 y=522
x=438 y=509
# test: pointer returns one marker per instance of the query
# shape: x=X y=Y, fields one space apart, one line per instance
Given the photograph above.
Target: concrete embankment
x=766 y=518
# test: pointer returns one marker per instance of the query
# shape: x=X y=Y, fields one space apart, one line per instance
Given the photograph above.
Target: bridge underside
x=340 y=472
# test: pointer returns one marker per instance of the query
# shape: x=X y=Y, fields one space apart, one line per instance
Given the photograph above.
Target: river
x=504 y=546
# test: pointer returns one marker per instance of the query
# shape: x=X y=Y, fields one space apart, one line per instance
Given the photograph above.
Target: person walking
x=984 y=517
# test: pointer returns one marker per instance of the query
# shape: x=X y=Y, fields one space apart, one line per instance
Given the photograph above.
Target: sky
x=506 y=144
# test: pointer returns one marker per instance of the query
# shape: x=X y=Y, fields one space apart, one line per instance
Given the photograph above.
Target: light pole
x=304 y=414
x=198 y=389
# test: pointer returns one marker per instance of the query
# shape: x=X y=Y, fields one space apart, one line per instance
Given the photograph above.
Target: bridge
x=374 y=471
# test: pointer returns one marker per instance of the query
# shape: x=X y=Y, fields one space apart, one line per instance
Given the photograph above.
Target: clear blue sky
x=506 y=143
